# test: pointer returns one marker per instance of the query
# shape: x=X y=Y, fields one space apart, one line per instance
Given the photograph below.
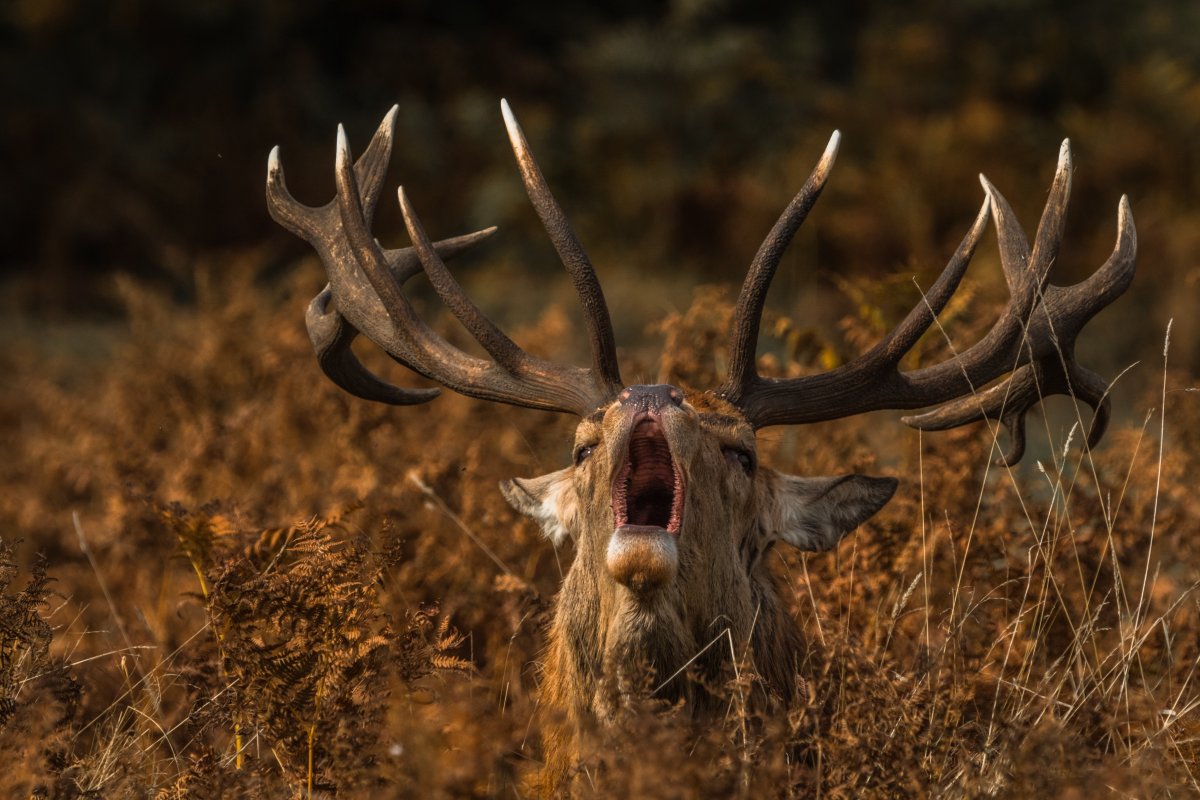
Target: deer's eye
x=740 y=457
x=583 y=452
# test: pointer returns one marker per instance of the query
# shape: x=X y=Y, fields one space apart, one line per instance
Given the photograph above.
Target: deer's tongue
x=647 y=508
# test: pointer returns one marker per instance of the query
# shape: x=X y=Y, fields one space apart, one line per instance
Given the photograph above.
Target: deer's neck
x=606 y=644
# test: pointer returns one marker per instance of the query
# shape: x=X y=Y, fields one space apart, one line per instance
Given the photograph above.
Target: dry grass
x=283 y=591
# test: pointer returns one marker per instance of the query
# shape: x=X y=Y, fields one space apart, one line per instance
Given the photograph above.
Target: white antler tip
x=273 y=165
x=1064 y=155
x=1125 y=229
x=510 y=121
x=831 y=149
x=387 y=127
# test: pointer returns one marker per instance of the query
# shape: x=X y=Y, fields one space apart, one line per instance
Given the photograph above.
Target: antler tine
x=282 y=206
x=840 y=392
x=1114 y=276
x=497 y=344
x=1009 y=401
x=904 y=336
x=1052 y=368
x=332 y=334
x=1032 y=341
x=371 y=167
x=330 y=331
x=1026 y=273
x=747 y=316
x=311 y=223
x=605 y=371
x=1054 y=218
x=369 y=256
x=418 y=347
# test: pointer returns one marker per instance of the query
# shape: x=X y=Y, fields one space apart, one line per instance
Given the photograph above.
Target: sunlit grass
x=288 y=592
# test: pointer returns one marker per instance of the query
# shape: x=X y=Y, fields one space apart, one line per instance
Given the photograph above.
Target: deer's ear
x=815 y=513
x=548 y=500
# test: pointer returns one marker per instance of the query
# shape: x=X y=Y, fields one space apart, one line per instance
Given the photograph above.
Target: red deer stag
x=670 y=513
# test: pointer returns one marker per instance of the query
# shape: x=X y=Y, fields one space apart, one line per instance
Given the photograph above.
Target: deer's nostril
x=651 y=397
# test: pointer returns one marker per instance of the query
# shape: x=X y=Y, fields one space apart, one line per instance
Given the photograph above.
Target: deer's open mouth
x=648 y=490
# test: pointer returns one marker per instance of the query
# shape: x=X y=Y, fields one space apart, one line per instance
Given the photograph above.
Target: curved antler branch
x=1033 y=339
x=332 y=332
x=605 y=370
x=747 y=315
x=1051 y=366
x=364 y=295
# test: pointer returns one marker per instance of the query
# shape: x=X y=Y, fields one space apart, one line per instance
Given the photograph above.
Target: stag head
x=668 y=508
x=666 y=498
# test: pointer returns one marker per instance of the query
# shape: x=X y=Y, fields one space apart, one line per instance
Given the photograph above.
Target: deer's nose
x=651 y=398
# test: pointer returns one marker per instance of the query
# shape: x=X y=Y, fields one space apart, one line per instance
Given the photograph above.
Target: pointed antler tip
x=1064 y=155
x=985 y=210
x=510 y=120
x=516 y=138
x=342 y=160
x=273 y=165
x=1126 y=231
x=416 y=231
x=987 y=185
x=1124 y=213
x=831 y=149
x=405 y=205
x=387 y=128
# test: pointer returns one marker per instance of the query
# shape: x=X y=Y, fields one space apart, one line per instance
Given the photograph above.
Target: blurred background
x=167 y=427
x=136 y=136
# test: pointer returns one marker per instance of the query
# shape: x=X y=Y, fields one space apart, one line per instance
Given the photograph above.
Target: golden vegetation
x=254 y=585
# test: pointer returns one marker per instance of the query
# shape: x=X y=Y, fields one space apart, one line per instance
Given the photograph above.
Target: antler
x=1033 y=339
x=364 y=293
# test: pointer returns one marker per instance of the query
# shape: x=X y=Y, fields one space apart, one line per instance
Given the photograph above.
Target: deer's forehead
x=714 y=414
x=711 y=405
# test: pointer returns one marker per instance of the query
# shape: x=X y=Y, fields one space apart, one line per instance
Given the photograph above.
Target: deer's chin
x=643 y=558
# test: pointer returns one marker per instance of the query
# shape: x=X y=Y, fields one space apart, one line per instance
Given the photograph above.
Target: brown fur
x=607 y=641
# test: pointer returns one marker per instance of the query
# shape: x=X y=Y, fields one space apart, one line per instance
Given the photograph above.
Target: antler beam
x=1029 y=349
x=364 y=293
x=1033 y=339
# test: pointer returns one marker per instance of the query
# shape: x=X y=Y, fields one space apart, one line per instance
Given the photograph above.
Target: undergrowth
x=252 y=585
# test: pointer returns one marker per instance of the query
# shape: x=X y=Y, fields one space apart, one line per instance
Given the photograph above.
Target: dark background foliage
x=193 y=495
x=136 y=132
